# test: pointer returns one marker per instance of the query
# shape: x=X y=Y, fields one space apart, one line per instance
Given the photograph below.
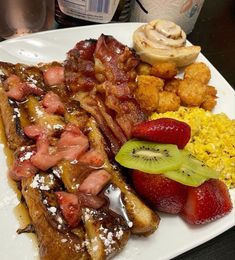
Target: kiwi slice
x=149 y=157
x=198 y=166
x=186 y=176
x=192 y=172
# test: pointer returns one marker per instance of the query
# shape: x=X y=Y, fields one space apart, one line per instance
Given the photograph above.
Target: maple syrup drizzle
x=20 y=211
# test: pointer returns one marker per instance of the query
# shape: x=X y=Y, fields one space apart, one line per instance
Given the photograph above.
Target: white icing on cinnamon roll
x=161 y=41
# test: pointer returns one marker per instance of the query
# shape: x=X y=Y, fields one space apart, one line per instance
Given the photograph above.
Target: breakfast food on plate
x=64 y=122
x=187 y=188
x=199 y=71
x=207 y=202
x=165 y=70
x=71 y=124
x=163 y=130
x=159 y=89
x=197 y=205
x=163 y=41
x=149 y=156
x=152 y=188
x=212 y=139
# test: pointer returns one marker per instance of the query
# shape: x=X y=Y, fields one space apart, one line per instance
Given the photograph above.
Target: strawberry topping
x=52 y=103
x=54 y=75
x=95 y=182
x=86 y=196
x=22 y=166
x=70 y=207
x=93 y=158
x=72 y=143
x=18 y=90
x=43 y=159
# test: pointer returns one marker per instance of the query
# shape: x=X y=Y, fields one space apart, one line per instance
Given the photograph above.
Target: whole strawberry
x=160 y=192
x=207 y=202
x=163 y=130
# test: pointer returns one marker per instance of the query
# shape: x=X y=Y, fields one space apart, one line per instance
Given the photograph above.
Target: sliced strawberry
x=90 y=201
x=70 y=207
x=34 y=131
x=208 y=202
x=163 y=130
x=54 y=75
x=18 y=90
x=22 y=166
x=72 y=143
x=22 y=169
x=160 y=192
x=93 y=158
x=95 y=182
x=53 y=104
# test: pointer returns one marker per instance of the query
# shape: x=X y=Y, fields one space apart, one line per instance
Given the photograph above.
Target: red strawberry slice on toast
x=163 y=130
x=208 y=202
x=160 y=192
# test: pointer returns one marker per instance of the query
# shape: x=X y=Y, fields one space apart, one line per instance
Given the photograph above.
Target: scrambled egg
x=212 y=139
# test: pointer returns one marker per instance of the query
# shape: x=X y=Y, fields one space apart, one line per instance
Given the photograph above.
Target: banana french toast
x=64 y=122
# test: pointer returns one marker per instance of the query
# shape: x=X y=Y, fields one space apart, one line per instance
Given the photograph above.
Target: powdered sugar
x=26 y=156
x=39 y=183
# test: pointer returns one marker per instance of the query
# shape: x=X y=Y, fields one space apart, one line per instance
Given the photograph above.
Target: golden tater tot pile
x=159 y=90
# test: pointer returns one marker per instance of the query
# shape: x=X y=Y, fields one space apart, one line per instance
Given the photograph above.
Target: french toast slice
x=12 y=124
x=52 y=243
x=106 y=232
x=144 y=220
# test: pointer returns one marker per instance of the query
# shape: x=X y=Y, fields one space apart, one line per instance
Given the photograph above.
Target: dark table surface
x=215 y=33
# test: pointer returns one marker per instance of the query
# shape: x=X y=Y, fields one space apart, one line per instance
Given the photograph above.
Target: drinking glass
x=19 y=17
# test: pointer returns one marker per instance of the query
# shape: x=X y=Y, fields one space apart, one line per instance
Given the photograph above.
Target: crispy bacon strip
x=80 y=67
x=114 y=108
x=119 y=61
x=89 y=104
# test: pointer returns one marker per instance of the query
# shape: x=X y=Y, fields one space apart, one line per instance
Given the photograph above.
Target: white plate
x=173 y=236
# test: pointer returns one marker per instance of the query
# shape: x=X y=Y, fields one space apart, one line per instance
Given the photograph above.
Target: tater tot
x=198 y=71
x=191 y=92
x=172 y=85
x=210 y=90
x=148 y=98
x=143 y=68
x=209 y=103
x=210 y=98
x=166 y=70
x=147 y=80
x=168 y=101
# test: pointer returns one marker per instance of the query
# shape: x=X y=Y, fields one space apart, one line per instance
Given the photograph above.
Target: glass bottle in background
x=70 y=13
x=19 y=17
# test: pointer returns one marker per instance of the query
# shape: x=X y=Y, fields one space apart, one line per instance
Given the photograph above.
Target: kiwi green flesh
x=186 y=176
x=198 y=166
x=149 y=157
